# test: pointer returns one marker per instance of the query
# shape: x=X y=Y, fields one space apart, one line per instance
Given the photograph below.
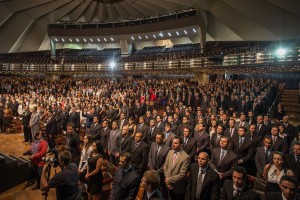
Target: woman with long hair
x=7 y=120
x=94 y=174
x=85 y=153
x=274 y=171
x=131 y=127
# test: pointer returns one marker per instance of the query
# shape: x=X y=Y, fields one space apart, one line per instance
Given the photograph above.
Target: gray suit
x=34 y=123
x=245 y=124
x=177 y=174
x=260 y=160
x=202 y=141
x=112 y=141
x=157 y=162
x=169 y=139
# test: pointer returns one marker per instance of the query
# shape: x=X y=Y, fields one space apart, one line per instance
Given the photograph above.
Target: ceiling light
x=185 y=31
x=105 y=39
x=112 y=39
x=84 y=39
x=91 y=40
x=63 y=39
x=161 y=35
x=140 y=37
x=146 y=37
x=98 y=39
x=177 y=33
x=56 y=39
x=70 y=40
x=77 y=39
x=132 y=37
x=194 y=30
x=169 y=34
x=154 y=36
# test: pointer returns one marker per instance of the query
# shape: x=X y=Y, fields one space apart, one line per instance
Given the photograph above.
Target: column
x=53 y=49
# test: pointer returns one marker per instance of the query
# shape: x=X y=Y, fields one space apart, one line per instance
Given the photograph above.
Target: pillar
x=201 y=77
x=53 y=49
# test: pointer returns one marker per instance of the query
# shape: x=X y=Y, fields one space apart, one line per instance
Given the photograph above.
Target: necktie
x=241 y=123
x=136 y=144
x=151 y=129
x=222 y=156
x=174 y=159
x=274 y=140
x=298 y=159
x=259 y=125
x=199 y=185
x=236 y=194
x=185 y=140
x=156 y=152
x=241 y=141
x=267 y=155
x=231 y=131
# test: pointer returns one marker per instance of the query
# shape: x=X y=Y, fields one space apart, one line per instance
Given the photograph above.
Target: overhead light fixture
x=177 y=33
x=170 y=34
x=98 y=39
x=154 y=36
x=194 y=30
x=140 y=37
x=161 y=35
x=56 y=39
x=132 y=37
x=105 y=39
x=185 y=31
x=91 y=39
x=77 y=39
x=146 y=37
x=112 y=39
x=63 y=39
x=70 y=40
x=84 y=39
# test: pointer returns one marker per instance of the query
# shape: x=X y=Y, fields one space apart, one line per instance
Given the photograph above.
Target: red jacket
x=37 y=158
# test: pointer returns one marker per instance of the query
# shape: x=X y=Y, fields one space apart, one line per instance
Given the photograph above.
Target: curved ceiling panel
x=23 y=23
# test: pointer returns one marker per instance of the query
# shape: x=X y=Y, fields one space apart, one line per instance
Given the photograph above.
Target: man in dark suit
x=159 y=124
x=153 y=130
x=243 y=148
x=242 y=122
x=140 y=153
x=142 y=128
x=237 y=188
x=51 y=130
x=122 y=121
x=263 y=155
x=189 y=144
x=150 y=183
x=224 y=120
x=157 y=156
x=231 y=130
x=74 y=118
x=25 y=122
x=123 y=143
x=223 y=160
x=203 y=182
x=254 y=137
x=288 y=186
x=289 y=128
x=262 y=129
x=95 y=127
x=293 y=160
x=169 y=135
x=202 y=138
x=103 y=136
x=126 y=181
x=215 y=138
x=243 y=107
x=279 y=144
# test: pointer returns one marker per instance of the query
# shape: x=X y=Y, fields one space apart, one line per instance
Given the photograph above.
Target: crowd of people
x=195 y=139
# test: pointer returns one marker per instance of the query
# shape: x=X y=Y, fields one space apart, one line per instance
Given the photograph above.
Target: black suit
x=210 y=189
x=150 y=137
x=262 y=131
x=75 y=119
x=214 y=143
x=125 y=186
x=142 y=129
x=123 y=145
x=246 y=194
x=160 y=126
x=202 y=141
x=95 y=129
x=276 y=196
x=51 y=130
x=139 y=155
x=281 y=145
x=25 y=121
x=157 y=162
x=233 y=133
x=227 y=164
x=155 y=196
x=190 y=148
x=261 y=160
x=293 y=165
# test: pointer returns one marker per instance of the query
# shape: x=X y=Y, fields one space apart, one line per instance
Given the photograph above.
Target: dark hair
x=152 y=178
x=240 y=169
x=127 y=156
x=178 y=138
x=99 y=147
x=65 y=157
x=71 y=125
x=290 y=179
x=267 y=137
x=244 y=128
x=162 y=134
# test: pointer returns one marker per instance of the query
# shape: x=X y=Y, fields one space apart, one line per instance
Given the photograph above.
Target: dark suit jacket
x=276 y=196
x=95 y=129
x=262 y=131
x=104 y=137
x=211 y=186
x=156 y=196
x=161 y=127
x=139 y=160
x=125 y=186
x=228 y=134
x=202 y=141
x=51 y=127
x=157 y=162
x=213 y=142
x=246 y=194
x=190 y=148
x=245 y=152
x=124 y=124
x=227 y=164
x=151 y=137
x=75 y=119
x=281 y=145
x=293 y=165
x=125 y=145
x=26 y=118
x=143 y=129
x=168 y=141
x=260 y=160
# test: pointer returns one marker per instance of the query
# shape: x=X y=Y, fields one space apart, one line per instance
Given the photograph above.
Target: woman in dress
x=131 y=127
x=274 y=171
x=85 y=153
x=7 y=120
x=94 y=174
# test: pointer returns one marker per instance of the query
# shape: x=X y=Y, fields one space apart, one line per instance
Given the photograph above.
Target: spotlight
x=185 y=31
x=91 y=39
x=63 y=39
x=281 y=52
x=132 y=37
x=161 y=35
x=177 y=33
x=84 y=39
x=98 y=39
x=112 y=64
x=194 y=30
x=154 y=36
x=170 y=34
x=105 y=39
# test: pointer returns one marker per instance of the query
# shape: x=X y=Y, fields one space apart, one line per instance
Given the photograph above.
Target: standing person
x=38 y=149
x=293 y=160
x=126 y=181
x=237 y=188
x=175 y=170
x=74 y=118
x=65 y=181
x=112 y=142
x=51 y=130
x=204 y=182
x=85 y=154
x=1 y=117
x=7 y=120
x=25 y=122
x=34 y=122
x=94 y=173
x=123 y=143
x=150 y=182
x=73 y=143
x=263 y=155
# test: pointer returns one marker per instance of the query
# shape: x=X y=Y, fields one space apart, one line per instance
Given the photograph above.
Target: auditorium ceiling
x=23 y=23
